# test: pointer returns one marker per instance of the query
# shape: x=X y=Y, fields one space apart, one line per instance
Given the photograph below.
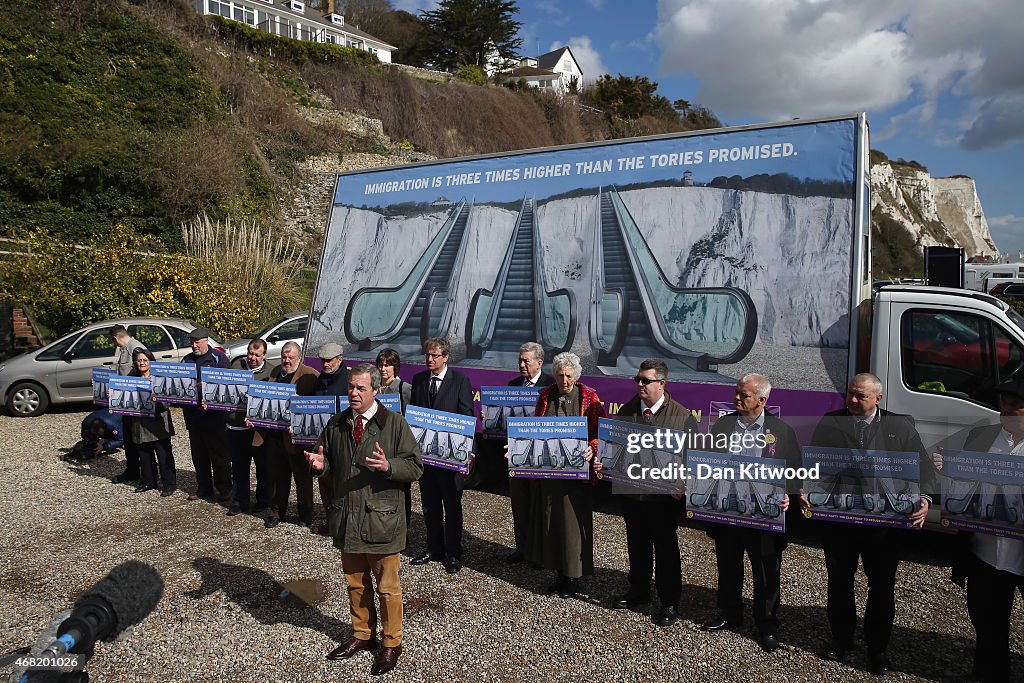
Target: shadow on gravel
x=110 y=465
x=257 y=593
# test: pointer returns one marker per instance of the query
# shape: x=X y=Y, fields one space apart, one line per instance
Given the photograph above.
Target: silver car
x=61 y=372
x=289 y=327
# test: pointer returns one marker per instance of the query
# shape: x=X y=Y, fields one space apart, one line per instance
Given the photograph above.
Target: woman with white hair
x=563 y=538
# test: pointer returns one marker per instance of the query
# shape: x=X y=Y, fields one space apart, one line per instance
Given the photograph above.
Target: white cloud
x=1000 y=122
x=586 y=55
x=1008 y=232
x=775 y=59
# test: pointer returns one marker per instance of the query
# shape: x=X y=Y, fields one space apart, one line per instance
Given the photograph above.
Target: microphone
x=122 y=598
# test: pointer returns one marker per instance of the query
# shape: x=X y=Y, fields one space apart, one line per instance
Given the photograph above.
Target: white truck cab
x=941 y=353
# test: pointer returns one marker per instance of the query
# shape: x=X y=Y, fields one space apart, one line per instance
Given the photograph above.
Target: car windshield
x=269 y=329
x=1016 y=318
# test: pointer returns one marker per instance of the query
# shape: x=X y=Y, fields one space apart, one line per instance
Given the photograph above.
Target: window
x=179 y=336
x=297 y=6
x=295 y=329
x=959 y=354
x=57 y=351
x=95 y=344
x=153 y=336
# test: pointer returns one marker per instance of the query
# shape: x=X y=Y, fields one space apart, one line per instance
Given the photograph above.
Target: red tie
x=648 y=415
x=357 y=433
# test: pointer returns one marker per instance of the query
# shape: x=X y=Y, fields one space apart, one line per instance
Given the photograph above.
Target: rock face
x=934 y=211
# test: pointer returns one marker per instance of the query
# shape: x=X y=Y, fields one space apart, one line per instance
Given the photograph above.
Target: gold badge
x=769 y=438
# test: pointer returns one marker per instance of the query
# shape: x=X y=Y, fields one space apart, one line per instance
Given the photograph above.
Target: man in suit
x=863 y=425
x=441 y=388
x=993 y=566
x=206 y=430
x=771 y=438
x=370 y=453
x=287 y=459
x=522 y=492
x=652 y=520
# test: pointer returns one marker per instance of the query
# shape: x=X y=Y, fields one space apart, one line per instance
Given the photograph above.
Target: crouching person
x=370 y=454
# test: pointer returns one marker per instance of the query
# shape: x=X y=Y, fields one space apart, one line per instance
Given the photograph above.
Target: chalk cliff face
x=934 y=211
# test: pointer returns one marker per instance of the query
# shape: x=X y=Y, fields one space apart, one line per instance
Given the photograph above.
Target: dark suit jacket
x=453 y=396
x=545 y=380
x=888 y=432
x=786 y=447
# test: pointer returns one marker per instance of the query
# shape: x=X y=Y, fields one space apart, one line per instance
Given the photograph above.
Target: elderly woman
x=563 y=527
x=152 y=437
x=389 y=363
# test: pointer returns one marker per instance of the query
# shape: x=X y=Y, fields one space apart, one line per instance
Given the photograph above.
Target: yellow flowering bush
x=124 y=274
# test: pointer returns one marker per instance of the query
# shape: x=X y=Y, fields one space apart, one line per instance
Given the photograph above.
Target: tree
x=460 y=32
x=630 y=97
x=370 y=16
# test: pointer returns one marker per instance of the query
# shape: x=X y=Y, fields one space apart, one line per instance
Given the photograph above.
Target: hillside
x=142 y=113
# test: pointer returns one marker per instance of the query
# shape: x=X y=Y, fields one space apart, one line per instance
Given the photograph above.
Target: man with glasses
x=441 y=388
x=652 y=519
x=766 y=436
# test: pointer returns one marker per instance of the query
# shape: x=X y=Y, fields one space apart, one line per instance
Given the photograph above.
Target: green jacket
x=367 y=514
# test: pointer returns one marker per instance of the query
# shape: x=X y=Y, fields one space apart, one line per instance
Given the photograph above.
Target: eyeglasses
x=646 y=380
x=435 y=355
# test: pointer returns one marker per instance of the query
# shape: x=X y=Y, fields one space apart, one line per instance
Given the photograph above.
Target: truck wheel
x=27 y=399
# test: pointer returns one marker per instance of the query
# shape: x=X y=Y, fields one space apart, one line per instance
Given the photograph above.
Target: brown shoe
x=386 y=660
x=352 y=646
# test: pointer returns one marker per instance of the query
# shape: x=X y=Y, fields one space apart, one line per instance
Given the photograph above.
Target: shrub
x=259 y=269
x=124 y=274
x=472 y=74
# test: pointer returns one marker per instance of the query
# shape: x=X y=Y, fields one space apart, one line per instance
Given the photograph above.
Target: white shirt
x=368 y=414
x=1005 y=554
x=656 y=407
x=533 y=380
x=756 y=427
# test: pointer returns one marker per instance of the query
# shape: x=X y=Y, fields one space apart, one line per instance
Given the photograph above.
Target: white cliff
x=934 y=211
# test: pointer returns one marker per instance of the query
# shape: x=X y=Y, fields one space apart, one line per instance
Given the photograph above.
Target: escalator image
x=517 y=308
x=637 y=313
x=421 y=307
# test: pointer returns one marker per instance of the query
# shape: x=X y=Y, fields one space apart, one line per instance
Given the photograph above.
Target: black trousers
x=522 y=494
x=156 y=457
x=210 y=458
x=653 y=546
x=844 y=545
x=131 y=451
x=243 y=455
x=989 y=603
x=442 y=511
x=764 y=549
x=289 y=464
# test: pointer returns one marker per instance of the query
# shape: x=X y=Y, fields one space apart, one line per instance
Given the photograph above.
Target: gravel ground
x=221 y=619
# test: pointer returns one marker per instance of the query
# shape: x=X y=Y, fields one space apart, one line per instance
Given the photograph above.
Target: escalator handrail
x=451 y=286
x=658 y=328
x=496 y=292
x=612 y=350
x=407 y=309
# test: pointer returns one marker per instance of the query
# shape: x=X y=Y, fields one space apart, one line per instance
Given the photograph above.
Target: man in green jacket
x=369 y=452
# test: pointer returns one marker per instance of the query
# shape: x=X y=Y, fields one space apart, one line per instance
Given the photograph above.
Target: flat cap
x=330 y=350
x=199 y=333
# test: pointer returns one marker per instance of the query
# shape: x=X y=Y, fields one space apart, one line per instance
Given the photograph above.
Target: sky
x=942 y=82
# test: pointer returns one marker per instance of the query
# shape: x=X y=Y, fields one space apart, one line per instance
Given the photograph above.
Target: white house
x=293 y=19
x=556 y=70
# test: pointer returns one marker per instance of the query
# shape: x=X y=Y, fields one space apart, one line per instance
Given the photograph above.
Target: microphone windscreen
x=133 y=589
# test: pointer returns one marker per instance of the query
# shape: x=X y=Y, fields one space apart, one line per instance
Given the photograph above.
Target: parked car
x=1009 y=290
x=61 y=372
x=289 y=327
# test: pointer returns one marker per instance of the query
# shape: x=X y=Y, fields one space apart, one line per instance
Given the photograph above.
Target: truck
x=722 y=252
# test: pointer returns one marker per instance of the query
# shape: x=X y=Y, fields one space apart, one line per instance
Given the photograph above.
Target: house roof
x=549 y=60
x=315 y=16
